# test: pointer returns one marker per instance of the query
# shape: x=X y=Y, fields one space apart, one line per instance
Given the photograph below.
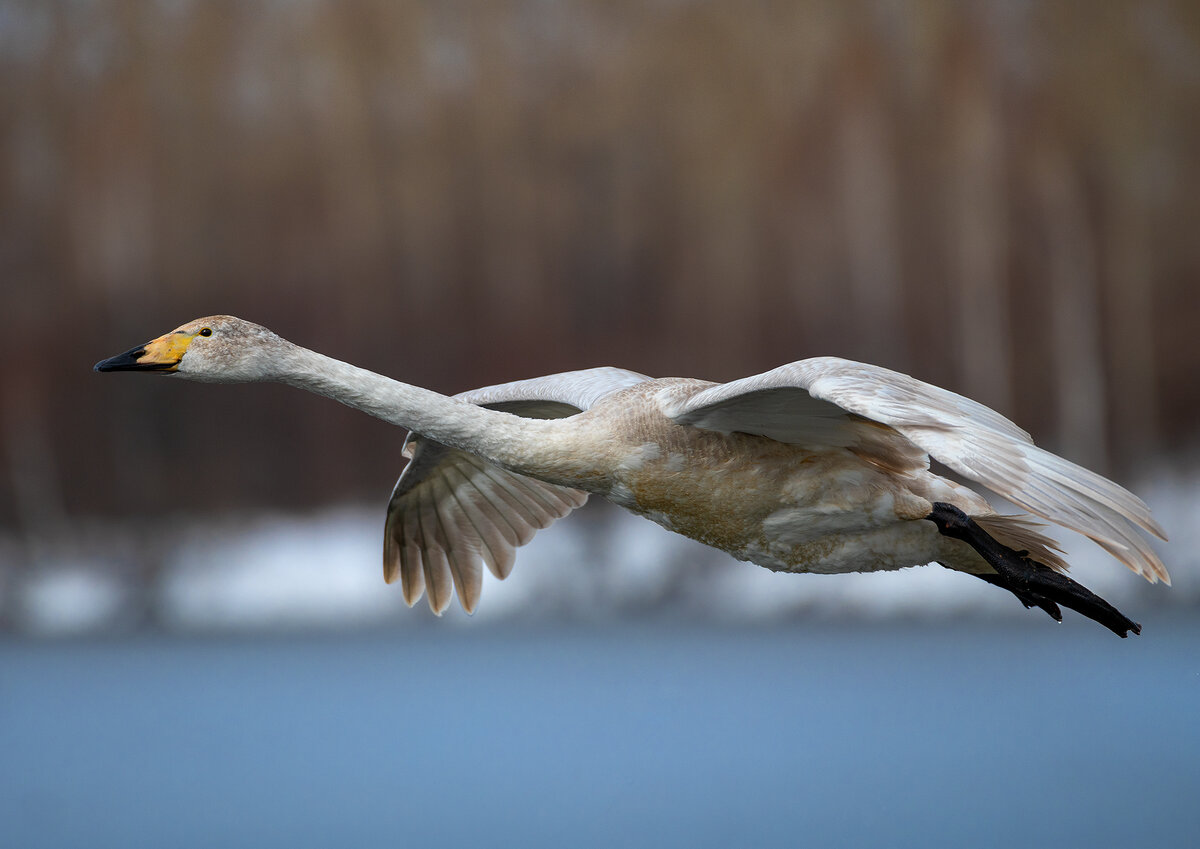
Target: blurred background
x=998 y=197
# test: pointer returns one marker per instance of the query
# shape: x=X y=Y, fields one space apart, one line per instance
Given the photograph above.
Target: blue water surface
x=1008 y=734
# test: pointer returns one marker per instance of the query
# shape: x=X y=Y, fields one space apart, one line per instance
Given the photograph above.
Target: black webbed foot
x=1034 y=584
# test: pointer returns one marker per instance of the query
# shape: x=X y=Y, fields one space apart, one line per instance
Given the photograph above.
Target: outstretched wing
x=451 y=511
x=825 y=400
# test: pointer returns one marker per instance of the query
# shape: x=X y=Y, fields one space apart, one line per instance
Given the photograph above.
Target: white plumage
x=820 y=465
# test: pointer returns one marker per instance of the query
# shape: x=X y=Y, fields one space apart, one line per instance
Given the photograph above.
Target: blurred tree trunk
x=1078 y=357
x=1129 y=292
x=977 y=233
x=865 y=187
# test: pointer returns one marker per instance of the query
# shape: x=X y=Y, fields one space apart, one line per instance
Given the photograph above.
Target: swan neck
x=509 y=441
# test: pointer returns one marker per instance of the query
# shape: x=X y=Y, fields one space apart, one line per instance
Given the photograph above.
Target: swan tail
x=1021 y=533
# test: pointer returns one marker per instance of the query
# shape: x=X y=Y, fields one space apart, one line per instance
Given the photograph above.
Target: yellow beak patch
x=165 y=352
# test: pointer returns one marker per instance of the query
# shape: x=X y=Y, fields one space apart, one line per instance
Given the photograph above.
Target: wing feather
x=503 y=535
x=438 y=581
x=818 y=401
x=412 y=572
x=450 y=509
x=484 y=519
x=461 y=543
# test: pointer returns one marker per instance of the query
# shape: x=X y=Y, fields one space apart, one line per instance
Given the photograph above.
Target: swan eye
x=206 y=331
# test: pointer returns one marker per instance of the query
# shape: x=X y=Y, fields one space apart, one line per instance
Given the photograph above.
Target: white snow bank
x=324 y=570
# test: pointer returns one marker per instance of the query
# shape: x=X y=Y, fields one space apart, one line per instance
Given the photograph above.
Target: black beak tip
x=127 y=361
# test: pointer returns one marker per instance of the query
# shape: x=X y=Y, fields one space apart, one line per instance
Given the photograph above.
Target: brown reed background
x=999 y=197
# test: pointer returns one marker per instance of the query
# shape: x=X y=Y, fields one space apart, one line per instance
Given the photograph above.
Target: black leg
x=1032 y=583
x=1026 y=597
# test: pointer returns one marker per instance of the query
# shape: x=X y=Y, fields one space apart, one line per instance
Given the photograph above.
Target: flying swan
x=821 y=465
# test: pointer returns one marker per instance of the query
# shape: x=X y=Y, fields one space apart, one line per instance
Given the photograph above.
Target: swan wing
x=451 y=511
x=829 y=401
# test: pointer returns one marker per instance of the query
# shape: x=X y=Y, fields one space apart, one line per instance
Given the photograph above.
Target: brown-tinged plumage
x=817 y=466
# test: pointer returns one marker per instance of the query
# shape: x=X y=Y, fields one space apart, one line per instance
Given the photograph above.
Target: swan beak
x=162 y=354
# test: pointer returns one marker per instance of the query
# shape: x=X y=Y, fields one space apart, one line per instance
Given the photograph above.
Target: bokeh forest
x=1002 y=198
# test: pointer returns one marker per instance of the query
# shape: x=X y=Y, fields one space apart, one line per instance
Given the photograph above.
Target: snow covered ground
x=323 y=571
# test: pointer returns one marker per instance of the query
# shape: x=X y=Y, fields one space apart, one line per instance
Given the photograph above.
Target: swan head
x=215 y=349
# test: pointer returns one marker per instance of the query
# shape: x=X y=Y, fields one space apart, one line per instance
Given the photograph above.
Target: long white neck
x=512 y=442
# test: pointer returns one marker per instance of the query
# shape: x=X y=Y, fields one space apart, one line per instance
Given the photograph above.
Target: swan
x=821 y=465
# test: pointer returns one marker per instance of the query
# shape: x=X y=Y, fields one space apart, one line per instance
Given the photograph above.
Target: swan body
x=817 y=466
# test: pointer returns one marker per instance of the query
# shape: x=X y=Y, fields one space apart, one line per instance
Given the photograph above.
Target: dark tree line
x=1000 y=198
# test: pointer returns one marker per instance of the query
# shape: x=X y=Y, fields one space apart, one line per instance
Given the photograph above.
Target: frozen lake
x=1008 y=734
